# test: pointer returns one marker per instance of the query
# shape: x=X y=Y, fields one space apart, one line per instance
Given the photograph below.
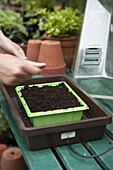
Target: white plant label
x=67 y=135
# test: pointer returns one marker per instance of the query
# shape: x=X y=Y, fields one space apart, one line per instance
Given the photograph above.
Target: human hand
x=15 y=70
x=10 y=47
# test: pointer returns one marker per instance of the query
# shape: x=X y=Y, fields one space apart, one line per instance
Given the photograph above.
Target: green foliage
x=46 y=4
x=36 y=35
x=3 y=122
x=4 y=126
x=24 y=25
x=62 y=22
x=75 y=4
x=12 y=23
x=39 y=12
x=34 y=4
x=3 y=1
x=33 y=17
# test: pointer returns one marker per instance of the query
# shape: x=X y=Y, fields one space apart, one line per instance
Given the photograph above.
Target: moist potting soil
x=48 y=98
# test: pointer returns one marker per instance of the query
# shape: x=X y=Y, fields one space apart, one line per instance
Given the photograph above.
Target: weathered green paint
x=108 y=105
x=102 y=87
x=99 y=146
x=74 y=162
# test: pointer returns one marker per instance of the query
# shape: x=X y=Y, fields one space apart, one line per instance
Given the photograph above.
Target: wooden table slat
x=99 y=146
x=72 y=161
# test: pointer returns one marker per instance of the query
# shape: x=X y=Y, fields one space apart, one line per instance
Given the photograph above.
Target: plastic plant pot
x=53 y=116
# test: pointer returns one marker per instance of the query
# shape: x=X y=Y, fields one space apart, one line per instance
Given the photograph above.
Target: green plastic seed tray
x=53 y=116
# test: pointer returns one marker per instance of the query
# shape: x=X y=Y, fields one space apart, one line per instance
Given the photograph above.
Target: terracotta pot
x=51 y=54
x=12 y=159
x=33 y=49
x=2 y=148
x=68 y=45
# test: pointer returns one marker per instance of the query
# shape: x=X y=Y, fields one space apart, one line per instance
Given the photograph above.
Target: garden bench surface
x=62 y=157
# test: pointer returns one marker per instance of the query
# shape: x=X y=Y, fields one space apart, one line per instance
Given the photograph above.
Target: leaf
x=36 y=35
x=23 y=29
x=30 y=13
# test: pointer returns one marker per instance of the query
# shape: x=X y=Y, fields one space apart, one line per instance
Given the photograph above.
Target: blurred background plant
x=49 y=4
x=12 y=25
x=31 y=19
x=3 y=122
x=20 y=19
x=6 y=134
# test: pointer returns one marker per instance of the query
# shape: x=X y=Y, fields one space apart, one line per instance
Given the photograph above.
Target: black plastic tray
x=91 y=127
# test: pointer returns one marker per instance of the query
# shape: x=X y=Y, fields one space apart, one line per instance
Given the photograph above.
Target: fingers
x=11 y=48
x=33 y=70
x=15 y=70
x=36 y=64
x=18 y=52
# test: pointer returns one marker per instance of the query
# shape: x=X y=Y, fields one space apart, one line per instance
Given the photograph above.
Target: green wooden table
x=62 y=157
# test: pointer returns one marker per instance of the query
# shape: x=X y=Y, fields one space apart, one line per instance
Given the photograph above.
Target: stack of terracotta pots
x=49 y=52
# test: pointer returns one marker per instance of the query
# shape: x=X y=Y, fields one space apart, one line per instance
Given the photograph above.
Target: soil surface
x=49 y=98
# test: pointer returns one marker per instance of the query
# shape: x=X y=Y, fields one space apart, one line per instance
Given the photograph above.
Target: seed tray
x=90 y=127
x=53 y=116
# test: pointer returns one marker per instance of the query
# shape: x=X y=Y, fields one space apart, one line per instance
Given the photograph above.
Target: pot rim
x=45 y=35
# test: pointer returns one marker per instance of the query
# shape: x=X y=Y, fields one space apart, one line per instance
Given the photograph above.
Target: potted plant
x=63 y=25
